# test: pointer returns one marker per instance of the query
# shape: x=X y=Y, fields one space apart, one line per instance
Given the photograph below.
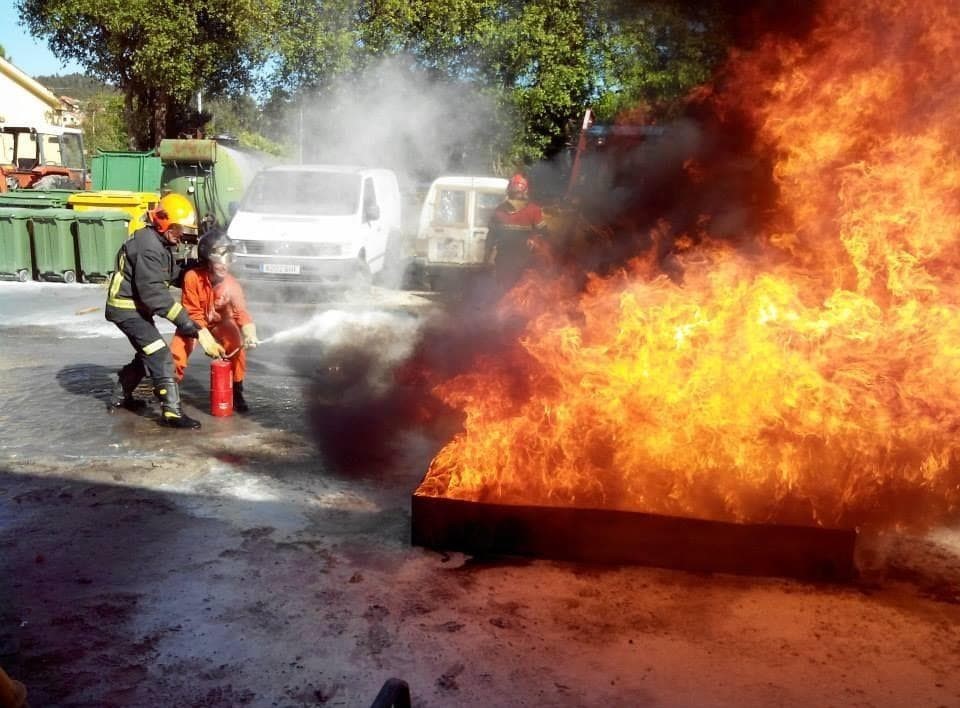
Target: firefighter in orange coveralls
x=515 y=221
x=214 y=299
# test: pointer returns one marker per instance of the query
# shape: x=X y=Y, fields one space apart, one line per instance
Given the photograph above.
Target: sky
x=31 y=56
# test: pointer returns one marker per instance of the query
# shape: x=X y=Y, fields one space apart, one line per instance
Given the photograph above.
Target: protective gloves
x=185 y=326
x=250 y=340
x=211 y=347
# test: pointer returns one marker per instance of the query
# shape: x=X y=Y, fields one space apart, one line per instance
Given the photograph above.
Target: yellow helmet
x=174 y=209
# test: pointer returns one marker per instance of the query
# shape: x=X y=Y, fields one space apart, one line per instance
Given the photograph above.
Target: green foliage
x=541 y=62
x=78 y=86
x=157 y=52
x=649 y=56
x=315 y=42
x=255 y=141
x=104 y=127
x=231 y=115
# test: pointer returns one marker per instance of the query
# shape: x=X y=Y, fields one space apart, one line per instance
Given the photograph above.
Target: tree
x=158 y=53
x=78 y=86
x=651 y=55
x=104 y=127
x=540 y=62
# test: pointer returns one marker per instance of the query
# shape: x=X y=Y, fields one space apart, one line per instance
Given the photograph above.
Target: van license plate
x=284 y=268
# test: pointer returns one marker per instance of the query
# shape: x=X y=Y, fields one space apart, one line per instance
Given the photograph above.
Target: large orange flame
x=813 y=378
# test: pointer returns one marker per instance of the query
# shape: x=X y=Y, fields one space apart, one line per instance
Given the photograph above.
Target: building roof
x=31 y=85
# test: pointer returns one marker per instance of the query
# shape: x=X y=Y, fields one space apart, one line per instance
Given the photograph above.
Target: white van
x=318 y=223
x=452 y=233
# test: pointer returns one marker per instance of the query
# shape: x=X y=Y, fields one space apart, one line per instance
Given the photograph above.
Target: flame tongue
x=818 y=382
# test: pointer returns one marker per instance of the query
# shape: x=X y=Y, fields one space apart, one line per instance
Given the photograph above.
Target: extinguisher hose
x=234 y=352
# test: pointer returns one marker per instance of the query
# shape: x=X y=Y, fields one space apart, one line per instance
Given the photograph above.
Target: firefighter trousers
x=152 y=355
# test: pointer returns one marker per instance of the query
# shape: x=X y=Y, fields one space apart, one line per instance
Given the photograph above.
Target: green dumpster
x=135 y=171
x=15 y=260
x=54 y=245
x=36 y=198
x=99 y=236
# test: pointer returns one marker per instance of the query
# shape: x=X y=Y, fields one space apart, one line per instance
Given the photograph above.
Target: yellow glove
x=211 y=346
x=250 y=340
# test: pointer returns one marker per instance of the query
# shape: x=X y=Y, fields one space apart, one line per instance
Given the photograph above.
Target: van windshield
x=302 y=192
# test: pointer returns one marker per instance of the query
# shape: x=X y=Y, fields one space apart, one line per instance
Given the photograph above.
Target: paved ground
x=265 y=561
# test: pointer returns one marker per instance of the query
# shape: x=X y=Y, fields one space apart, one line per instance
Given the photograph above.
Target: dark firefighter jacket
x=145 y=269
x=512 y=223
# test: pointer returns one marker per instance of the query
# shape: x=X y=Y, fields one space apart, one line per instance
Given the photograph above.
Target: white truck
x=452 y=233
x=327 y=224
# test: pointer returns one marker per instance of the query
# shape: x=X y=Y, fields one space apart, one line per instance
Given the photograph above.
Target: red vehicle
x=48 y=156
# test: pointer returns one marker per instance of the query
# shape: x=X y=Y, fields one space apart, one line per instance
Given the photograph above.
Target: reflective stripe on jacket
x=145 y=268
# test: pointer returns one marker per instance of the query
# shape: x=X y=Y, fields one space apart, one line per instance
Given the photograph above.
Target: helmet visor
x=221 y=254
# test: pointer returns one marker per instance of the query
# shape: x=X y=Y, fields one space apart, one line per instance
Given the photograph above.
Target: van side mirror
x=233 y=208
x=371 y=212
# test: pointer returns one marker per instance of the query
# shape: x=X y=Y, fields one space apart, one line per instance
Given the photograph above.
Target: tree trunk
x=159 y=114
x=130 y=118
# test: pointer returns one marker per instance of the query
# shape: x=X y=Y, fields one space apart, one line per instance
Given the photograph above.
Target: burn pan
x=629 y=537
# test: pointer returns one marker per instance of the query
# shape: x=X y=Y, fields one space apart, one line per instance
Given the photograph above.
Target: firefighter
x=138 y=292
x=510 y=240
x=214 y=299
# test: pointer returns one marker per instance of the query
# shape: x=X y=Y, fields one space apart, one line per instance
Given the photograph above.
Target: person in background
x=139 y=290
x=513 y=225
x=214 y=299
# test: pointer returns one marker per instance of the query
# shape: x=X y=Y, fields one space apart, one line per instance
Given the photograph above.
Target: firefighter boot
x=239 y=403
x=171 y=411
x=128 y=378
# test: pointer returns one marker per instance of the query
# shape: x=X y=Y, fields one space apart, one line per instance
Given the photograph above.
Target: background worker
x=214 y=299
x=138 y=292
x=513 y=225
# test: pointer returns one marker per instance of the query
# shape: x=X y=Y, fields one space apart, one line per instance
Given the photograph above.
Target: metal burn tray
x=629 y=537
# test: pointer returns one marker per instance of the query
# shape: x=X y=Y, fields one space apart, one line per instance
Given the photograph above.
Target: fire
x=812 y=377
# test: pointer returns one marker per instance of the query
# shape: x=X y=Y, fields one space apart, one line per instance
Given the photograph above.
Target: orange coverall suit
x=221 y=308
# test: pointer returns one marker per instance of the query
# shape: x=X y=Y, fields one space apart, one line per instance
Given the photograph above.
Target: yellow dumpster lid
x=114 y=198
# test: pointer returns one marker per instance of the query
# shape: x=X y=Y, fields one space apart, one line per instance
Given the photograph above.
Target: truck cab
x=48 y=156
x=327 y=224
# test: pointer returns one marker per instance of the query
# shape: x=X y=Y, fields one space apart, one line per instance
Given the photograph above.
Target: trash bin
x=15 y=260
x=99 y=236
x=54 y=245
x=36 y=198
x=136 y=204
x=136 y=171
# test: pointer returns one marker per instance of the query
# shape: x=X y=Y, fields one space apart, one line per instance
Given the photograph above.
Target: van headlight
x=239 y=246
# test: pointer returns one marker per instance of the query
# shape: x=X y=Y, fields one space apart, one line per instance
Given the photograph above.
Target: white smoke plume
x=400 y=118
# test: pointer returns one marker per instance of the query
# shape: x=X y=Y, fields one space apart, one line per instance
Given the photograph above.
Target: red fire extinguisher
x=221 y=388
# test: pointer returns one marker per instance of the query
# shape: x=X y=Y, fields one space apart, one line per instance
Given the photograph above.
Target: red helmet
x=517 y=186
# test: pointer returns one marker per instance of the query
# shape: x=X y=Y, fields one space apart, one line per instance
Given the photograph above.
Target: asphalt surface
x=265 y=560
